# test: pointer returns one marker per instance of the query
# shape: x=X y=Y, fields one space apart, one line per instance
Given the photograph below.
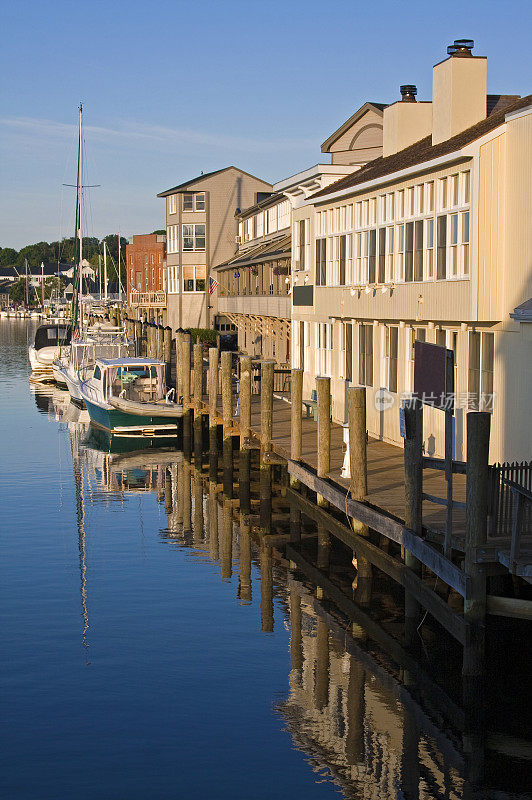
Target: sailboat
x=75 y=362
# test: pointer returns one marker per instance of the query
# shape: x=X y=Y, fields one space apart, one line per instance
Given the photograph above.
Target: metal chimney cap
x=408 y=93
x=461 y=47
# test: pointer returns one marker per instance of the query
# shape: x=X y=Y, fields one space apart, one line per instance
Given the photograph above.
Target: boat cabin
x=52 y=336
x=141 y=380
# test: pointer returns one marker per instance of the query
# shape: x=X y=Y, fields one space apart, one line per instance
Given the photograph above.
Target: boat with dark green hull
x=128 y=397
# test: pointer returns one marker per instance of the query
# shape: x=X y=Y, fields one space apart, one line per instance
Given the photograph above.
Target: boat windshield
x=140 y=382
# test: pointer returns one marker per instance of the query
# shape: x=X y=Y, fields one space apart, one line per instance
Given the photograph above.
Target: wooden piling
x=356 y=410
x=160 y=342
x=244 y=469
x=227 y=420
x=323 y=392
x=477 y=476
x=266 y=423
x=296 y=391
x=413 y=460
x=167 y=355
x=321 y=687
x=213 y=386
x=296 y=639
x=185 y=389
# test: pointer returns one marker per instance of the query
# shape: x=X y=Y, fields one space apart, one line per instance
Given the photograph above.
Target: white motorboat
x=48 y=341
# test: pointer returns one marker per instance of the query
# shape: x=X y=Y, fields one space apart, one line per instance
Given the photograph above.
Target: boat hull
x=121 y=424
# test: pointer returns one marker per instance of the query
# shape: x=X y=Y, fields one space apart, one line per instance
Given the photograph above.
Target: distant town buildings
x=145 y=262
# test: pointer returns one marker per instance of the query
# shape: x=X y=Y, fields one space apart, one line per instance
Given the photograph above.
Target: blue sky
x=173 y=88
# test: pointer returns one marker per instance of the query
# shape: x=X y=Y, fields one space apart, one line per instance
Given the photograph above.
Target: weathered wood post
x=244 y=583
x=266 y=589
x=198 y=402
x=167 y=355
x=227 y=540
x=143 y=344
x=473 y=665
x=266 y=427
x=323 y=392
x=245 y=433
x=227 y=420
x=296 y=438
x=213 y=414
x=187 y=498
x=413 y=459
x=185 y=388
x=356 y=410
x=160 y=341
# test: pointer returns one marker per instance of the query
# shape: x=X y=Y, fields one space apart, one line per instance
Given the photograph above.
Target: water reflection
x=368 y=721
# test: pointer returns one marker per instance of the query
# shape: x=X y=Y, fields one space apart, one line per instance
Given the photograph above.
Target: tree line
x=66 y=251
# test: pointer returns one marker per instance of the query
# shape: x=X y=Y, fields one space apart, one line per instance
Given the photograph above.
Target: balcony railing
x=148 y=299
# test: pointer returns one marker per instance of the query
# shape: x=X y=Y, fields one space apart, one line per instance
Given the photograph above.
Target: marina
x=207 y=608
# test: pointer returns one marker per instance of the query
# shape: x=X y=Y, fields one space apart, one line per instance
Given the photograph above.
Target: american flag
x=213 y=285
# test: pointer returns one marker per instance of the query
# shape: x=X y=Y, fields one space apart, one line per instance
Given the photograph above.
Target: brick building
x=145 y=258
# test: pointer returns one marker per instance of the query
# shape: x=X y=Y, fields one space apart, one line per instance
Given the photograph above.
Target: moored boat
x=128 y=397
x=47 y=342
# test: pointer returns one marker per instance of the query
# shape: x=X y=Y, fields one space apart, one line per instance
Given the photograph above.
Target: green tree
x=8 y=257
x=17 y=291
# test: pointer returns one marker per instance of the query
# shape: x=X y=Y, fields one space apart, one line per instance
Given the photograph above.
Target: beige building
x=201 y=231
x=255 y=283
x=432 y=241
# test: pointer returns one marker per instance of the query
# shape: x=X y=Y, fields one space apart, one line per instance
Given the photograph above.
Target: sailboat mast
x=105 y=269
x=119 y=277
x=75 y=292
x=80 y=217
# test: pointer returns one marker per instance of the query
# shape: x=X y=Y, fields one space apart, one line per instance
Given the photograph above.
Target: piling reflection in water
x=351 y=708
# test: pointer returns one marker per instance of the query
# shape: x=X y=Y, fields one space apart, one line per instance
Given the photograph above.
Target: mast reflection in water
x=214 y=669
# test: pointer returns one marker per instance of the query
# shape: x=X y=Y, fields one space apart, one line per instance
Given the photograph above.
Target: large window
x=172 y=204
x=194 y=279
x=302 y=243
x=391 y=357
x=194 y=201
x=441 y=272
x=172 y=238
x=409 y=252
x=365 y=355
x=342 y=260
x=321 y=262
x=480 y=372
x=194 y=237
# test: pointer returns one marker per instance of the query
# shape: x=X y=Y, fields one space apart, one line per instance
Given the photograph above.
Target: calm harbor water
x=151 y=649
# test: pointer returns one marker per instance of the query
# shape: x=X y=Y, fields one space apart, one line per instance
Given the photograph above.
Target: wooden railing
x=145 y=299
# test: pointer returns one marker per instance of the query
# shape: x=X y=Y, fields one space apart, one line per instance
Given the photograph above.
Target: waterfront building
x=145 y=261
x=430 y=241
x=200 y=233
x=255 y=283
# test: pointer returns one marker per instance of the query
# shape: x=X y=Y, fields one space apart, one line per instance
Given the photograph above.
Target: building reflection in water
x=348 y=708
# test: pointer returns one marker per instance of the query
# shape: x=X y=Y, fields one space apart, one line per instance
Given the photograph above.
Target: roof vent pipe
x=461 y=48
x=408 y=93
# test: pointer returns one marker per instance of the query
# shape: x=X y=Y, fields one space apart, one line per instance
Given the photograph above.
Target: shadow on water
x=369 y=718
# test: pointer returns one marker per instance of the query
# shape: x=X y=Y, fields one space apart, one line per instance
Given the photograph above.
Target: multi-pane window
x=382 y=256
x=194 y=237
x=321 y=262
x=172 y=204
x=480 y=372
x=323 y=348
x=372 y=256
x=346 y=355
x=194 y=201
x=441 y=270
x=172 y=238
x=409 y=251
x=365 y=355
x=429 y=238
x=302 y=243
x=342 y=259
x=389 y=252
x=465 y=241
x=392 y=336
x=272 y=219
x=418 y=250
x=172 y=279
x=194 y=279
x=440 y=337
x=283 y=215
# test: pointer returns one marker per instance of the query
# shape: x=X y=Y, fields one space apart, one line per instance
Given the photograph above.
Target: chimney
x=405 y=121
x=458 y=91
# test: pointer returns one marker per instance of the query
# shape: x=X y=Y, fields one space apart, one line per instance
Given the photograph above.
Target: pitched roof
x=199 y=178
x=523 y=313
x=280 y=247
x=379 y=107
x=423 y=150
